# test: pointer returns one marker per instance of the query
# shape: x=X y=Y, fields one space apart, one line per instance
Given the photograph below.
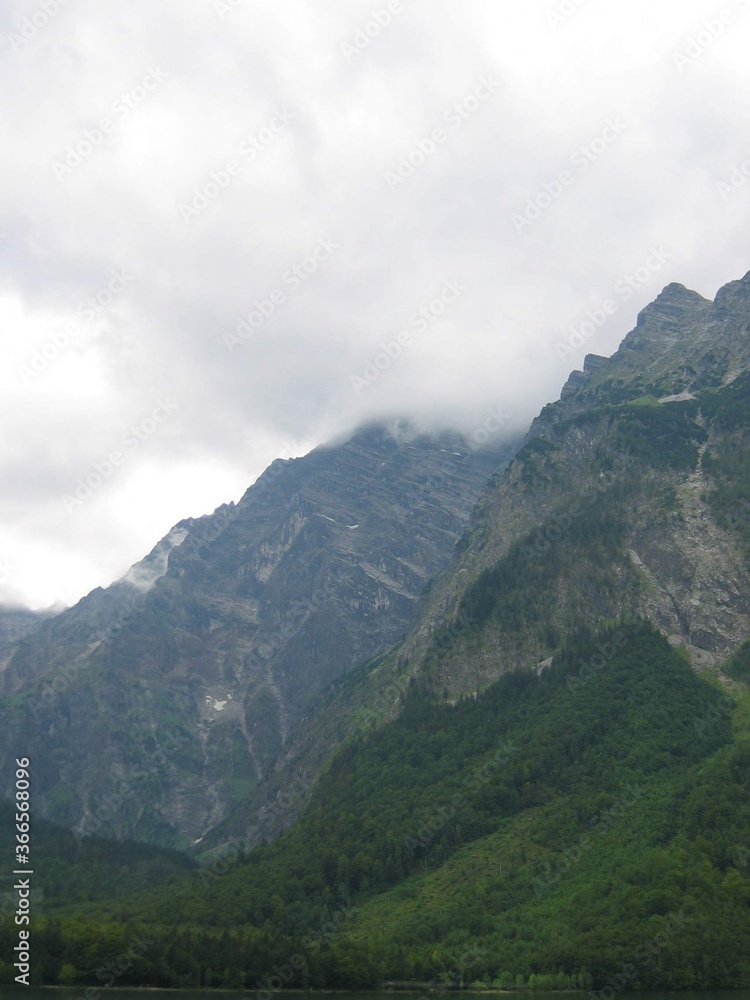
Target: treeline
x=76 y=870
x=542 y=834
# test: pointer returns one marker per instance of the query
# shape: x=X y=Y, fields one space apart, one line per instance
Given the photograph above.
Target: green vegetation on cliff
x=561 y=827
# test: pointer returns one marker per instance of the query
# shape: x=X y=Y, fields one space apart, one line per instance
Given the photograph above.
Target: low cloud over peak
x=234 y=230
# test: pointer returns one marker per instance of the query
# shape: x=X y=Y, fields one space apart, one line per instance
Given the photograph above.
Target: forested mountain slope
x=630 y=496
x=575 y=825
x=546 y=783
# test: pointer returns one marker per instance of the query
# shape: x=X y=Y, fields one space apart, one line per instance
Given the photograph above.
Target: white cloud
x=144 y=574
x=216 y=81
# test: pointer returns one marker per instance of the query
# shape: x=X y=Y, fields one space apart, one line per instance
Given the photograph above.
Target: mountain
x=629 y=497
x=152 y=707
x=581 y=826
x=16 y=623
x=545 y=783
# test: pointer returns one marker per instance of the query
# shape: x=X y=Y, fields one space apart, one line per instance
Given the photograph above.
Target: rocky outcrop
x=609 y=509
x=653 y=442
x=153 y=707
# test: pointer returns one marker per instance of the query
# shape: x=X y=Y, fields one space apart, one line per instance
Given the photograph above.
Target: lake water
x=77 y=993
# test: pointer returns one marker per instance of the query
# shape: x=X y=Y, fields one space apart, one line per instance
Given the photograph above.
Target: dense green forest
x=581 y=826
x=82 y=870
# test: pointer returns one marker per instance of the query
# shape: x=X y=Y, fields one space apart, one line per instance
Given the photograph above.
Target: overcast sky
x=182 y=166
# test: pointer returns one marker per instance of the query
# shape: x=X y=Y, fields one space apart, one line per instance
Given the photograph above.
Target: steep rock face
x=630 y=497
x=153 y=706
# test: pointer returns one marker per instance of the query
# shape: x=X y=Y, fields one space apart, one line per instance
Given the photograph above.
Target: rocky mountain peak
x=594 y=363
x=732 y=297
x=665 y=319
x=213 y=649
